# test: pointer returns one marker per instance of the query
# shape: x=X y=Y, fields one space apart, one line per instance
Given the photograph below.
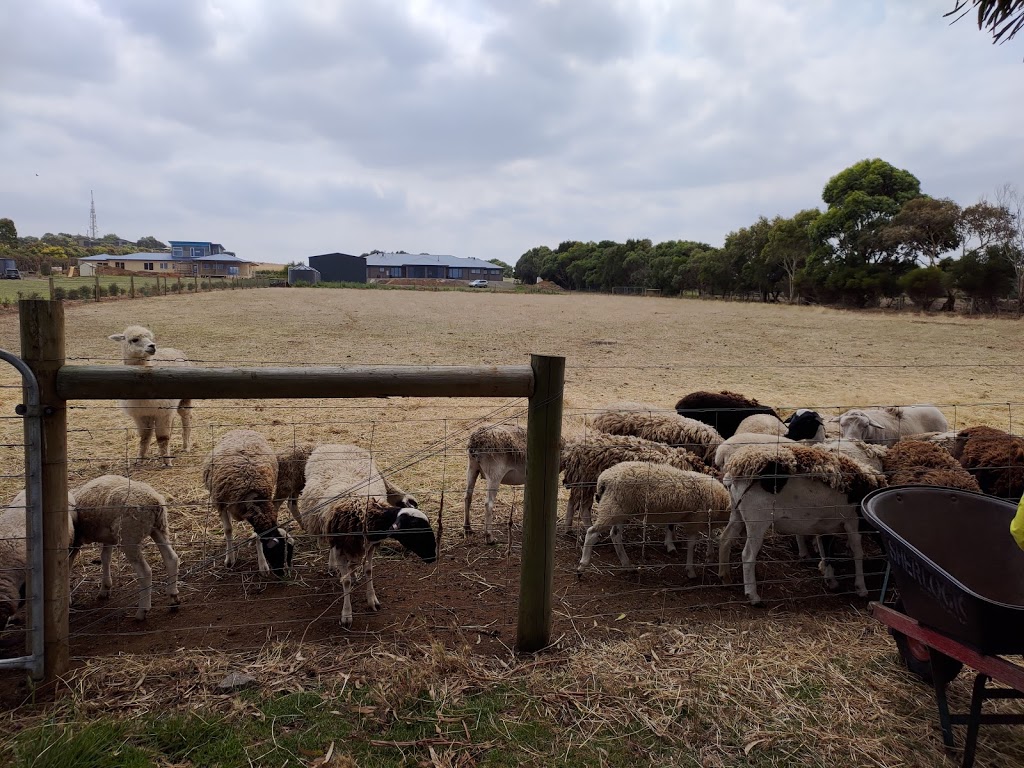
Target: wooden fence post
x=131 y=285
x=179 y=283
x=540 y=503
x=42 y=349
x=51 y=288
x=96 y=286
x=196 y=278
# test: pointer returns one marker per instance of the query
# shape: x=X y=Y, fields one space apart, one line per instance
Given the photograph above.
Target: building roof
x=130 y=256
x=336 y=253
x=426 y=259
x=226 y=257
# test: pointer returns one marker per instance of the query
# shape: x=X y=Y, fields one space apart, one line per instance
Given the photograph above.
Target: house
x=194 y=249
x=186 y=259
x=428 y=266
x=339 y=267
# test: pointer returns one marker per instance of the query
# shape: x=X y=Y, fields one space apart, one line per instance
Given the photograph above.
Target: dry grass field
x=648 y=669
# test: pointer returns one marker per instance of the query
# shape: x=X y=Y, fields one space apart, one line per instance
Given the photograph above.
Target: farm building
x=429 y=266
x=300 y=275
x=200 y=259
x=339 y=267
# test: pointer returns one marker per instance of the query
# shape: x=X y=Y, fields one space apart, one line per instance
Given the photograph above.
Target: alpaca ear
x=116 y=337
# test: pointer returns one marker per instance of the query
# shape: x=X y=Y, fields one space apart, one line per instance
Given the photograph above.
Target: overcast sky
x=285 y=128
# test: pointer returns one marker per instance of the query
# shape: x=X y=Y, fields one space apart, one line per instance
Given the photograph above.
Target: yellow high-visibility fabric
x=1017 y=525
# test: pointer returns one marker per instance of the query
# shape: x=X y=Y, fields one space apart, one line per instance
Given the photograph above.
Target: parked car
x=14 y=274
x=477 y=283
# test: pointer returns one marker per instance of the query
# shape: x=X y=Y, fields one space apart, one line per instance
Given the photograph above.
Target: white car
x=477 y=283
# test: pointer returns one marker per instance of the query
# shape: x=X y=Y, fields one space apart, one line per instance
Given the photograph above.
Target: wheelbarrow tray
x=956 y=566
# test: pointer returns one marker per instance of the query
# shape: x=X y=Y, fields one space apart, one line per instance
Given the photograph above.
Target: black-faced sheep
x=995 y=458
x=345 y=504
x=916 y=462
x=668 y=428
x=499 y=454
x=722 y=410
x=116 y=511
x=793 y=489
x=14 y=553
x=585 y=459
x=887 y=425
x=806 y=425
x=241 y=475
x=154 y=415
x=655 y=494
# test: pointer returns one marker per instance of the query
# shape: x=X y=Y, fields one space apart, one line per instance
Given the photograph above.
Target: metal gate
x=31 y=413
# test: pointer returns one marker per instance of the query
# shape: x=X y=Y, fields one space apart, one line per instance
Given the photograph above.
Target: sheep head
x=137 y=344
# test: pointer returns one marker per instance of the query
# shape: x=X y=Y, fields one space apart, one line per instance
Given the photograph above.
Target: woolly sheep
x=887 y=425
x=345 y=504
x=995 y=458
x=498 y=453
x=669 y=428
x=762 y=424
x=794 y=489
x=722 y=410
x=869 y=454
x=729 y=446
x=916 y=462
x=117 y=511
x=291 y=477
x=14 y=553
x=805 y=424
x=583 y=461
x=655 y=494
x=241 y=475
x=154 y=415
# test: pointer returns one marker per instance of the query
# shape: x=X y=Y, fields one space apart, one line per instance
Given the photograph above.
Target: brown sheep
x=917 y=462
x=995 y=458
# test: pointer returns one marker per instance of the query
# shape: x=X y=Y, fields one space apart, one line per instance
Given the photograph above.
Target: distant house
x=186 y=259
x=339 y=267
x=430 y=267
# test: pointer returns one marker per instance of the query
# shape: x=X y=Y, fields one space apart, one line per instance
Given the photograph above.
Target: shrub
x=85 y=292
x=59 y=293
x=112 y=289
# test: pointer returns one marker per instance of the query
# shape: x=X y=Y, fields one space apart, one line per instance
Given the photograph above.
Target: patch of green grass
x=100 y=744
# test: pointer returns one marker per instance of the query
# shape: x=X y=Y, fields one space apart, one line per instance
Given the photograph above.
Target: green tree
x=150 y=243
x=528 y=268
x=925 y=228
x=924 y=285
x=8 y=234
x=506 y=269
x=1002 y=18
x=985 y=276
x=789 y=245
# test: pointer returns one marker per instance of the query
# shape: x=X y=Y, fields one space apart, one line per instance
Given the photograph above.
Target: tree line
x=879 y=238
x=41 y=254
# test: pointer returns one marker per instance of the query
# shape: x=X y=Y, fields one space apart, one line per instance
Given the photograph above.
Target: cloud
x=479 y=127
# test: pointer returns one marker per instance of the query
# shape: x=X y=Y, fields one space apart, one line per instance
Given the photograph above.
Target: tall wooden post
x=42 y=349
x=51 y=288
x=179 y=283
x=131 y=285
x=196 y=277
x=543 y=453
x=96 y=286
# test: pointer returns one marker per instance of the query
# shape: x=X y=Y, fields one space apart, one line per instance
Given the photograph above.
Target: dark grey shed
x=339 y=267
x=302 y=275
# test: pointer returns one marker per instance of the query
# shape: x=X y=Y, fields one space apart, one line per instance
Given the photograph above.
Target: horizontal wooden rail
x=106 y=382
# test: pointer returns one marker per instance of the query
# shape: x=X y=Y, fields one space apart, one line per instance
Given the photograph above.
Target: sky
x=484 y=127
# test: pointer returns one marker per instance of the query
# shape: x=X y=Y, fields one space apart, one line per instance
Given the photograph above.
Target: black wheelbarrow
x=960 y=579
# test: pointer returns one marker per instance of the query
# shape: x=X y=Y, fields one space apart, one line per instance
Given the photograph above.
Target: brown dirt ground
x=617 y=348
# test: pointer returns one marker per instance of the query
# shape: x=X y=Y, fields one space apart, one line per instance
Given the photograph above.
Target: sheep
x=241 y=475
x=869 y=454
x=945 y=440
x=796 y=489
x=888 y=425
x=585 y=459
x=669 y=428
x=117 y=511
x=349 y=507
x=762 y=424
x=722 y=410
x=995 y=458
x=14 y=553
x=291 y=477
x=730 y=445
x=498 y=453
x=655 y=494
x=805 y=424
x=917 y=462
x=154 y=415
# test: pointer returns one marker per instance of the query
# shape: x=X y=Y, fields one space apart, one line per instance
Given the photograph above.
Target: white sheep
x=241 y=475
x=14 y=553
x=762 y=424
x=793 y=489
x=661 y=427
x=655 y=494
x=351 y=508
x=118 y=511
x=888 y=425
x=499 y=454
x=154 y=415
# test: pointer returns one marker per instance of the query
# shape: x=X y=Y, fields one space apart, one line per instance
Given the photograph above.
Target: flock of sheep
x=715 y=461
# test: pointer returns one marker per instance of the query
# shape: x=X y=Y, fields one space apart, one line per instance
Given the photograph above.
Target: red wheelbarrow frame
x=988 y=667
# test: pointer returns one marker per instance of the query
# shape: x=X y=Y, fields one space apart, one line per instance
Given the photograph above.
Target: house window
x=394 y=271
x=177 y=252
x=147 y=265
x=233 y=271
x=164 y=265
x=455 y=272
x=198 y=251
x=119 y=264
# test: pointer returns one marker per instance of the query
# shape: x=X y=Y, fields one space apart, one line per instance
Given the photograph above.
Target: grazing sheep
x=729 y=446
x=888 y=425
x=669 y=428
x=585 y=459
x=806 y=425
x=499 y=454
x=995 y=458
x=154 y=415
x=14 y=553
x=916 y=462
x=762 y=424
x=345 y=504
x=116 y=511
x=241 y=475
x=722 y=410
x=655 y=494
x=291 y=477
x=794 y=489
x=869 y=454
x=945 y=440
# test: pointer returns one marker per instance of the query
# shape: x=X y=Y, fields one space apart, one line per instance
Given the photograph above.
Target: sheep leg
x=229 y=555
x=163 y=437
x=732 y=531
x=620 y=550
x=371 y=596
x=261 y=557
x=185 y=413
x=105 y=581
x=133 y=553
x=691 y=544
x=493 y=484
x=171 y=560
x=571 y=507
x=756 y=530
x=670 y=544
x=346 y=567
x=471 y=475
x=801 y=547
x=854 y=539
x=593 y=533
x=586 y=506
x=333 y=566
x=825 y=566
x=145 y=428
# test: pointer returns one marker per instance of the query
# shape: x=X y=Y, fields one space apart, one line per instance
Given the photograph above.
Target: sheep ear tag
x=395 y=526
